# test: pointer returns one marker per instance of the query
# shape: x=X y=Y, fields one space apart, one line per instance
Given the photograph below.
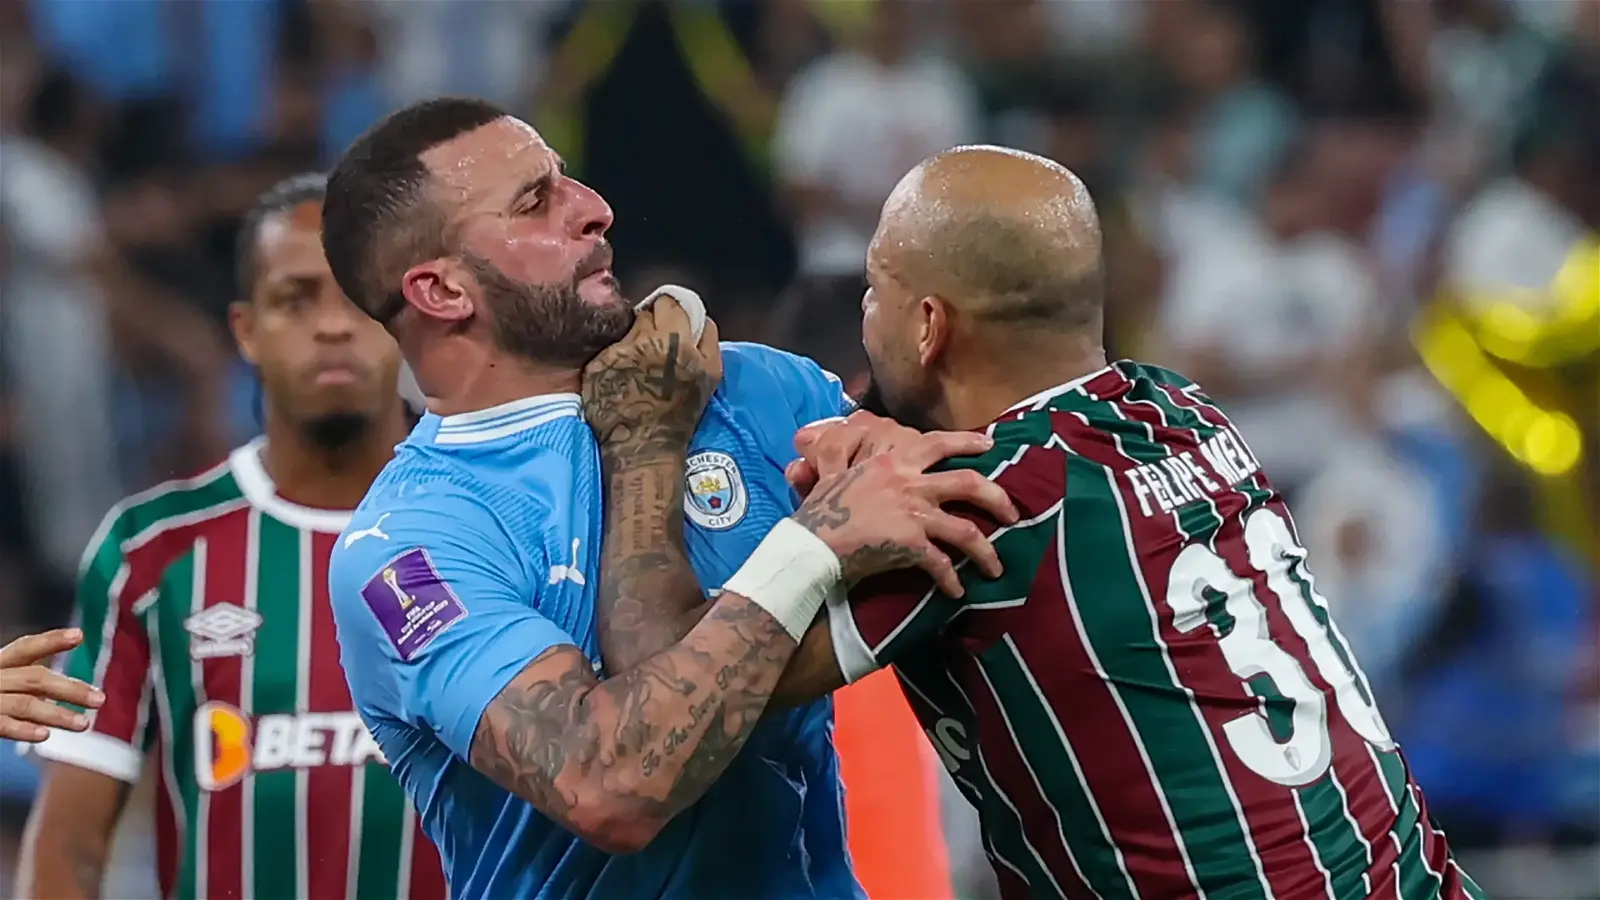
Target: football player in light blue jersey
x=472 y=598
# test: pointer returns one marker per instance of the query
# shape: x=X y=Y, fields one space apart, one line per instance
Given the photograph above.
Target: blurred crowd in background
x=1366 y=226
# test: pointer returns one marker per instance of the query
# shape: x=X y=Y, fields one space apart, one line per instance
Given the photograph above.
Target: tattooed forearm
x=615 y=760
x=648 y=597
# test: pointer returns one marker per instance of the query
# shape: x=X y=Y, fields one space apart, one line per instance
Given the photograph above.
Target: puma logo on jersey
x=375 y=531
x=570 y=572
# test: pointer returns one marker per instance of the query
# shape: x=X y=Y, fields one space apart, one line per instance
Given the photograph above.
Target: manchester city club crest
x=714 y=494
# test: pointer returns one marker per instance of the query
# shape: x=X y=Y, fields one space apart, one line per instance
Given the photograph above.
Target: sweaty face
x=326 y=365
x=891 y=327
x=533 y=241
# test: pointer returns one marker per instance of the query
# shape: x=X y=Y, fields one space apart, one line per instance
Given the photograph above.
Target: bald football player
x=1153 y=700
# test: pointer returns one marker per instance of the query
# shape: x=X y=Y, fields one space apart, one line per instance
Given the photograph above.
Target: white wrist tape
x=789 y=575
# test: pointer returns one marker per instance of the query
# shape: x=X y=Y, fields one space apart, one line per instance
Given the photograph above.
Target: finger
x=802 y=476
x=644 y=322
x=836 y=450
x=42 y=682
x=954 y=531
x=711 y=350
x=808 y=435
x=937 y=564
x=41 y=712
x=34 y=648
x=938 y=445
x=967 y=486
x=670 y=317
x=22 y=732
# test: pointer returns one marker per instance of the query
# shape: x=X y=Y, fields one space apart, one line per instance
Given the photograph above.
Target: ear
x=936 y=328
x=242 y=322
x=441 y=289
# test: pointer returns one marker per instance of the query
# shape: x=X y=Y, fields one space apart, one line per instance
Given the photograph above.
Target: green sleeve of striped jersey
x=892 y=615
x=115 y=653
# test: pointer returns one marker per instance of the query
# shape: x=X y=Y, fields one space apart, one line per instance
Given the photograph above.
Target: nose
x=591 y=214
x=335 y=317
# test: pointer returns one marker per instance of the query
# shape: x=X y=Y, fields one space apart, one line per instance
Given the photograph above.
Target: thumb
x=802 y=476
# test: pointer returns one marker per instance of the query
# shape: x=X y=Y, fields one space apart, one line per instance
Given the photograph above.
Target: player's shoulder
x=178 y=502
x=743 y=360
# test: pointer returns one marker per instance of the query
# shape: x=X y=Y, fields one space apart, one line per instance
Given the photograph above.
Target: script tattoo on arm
x=648 y=595
x=615 y=760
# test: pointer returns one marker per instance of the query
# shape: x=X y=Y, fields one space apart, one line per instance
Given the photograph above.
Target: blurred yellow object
x=1547 y=441
x=1491 y=355
x=1507 y=329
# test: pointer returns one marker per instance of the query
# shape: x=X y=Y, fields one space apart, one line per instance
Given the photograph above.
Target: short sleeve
x=436 y=612
x=114 y=656
x=811 y=392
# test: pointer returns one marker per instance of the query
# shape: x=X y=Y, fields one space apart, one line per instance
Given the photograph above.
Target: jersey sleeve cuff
x=850 y=649
x=93 y=751
x=494 y=666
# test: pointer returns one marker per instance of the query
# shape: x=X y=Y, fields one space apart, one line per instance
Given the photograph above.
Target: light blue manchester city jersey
x=478 y=548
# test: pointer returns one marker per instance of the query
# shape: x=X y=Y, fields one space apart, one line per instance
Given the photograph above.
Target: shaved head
x=985 y=271
x=1002 y=235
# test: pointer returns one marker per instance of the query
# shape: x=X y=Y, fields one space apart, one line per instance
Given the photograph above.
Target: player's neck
x=311 y=474
x=499 y=380
x=994 y=385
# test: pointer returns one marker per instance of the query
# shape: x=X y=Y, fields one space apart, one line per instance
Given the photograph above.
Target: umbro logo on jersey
x=375 y=531
x=222 y=630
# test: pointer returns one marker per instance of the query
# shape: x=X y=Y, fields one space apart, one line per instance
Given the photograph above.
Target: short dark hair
x=280 y=198
x=376 y=185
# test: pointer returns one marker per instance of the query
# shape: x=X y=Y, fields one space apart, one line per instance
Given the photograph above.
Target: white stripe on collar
x=1037 y=401
x=258 y=488
x=507 y=419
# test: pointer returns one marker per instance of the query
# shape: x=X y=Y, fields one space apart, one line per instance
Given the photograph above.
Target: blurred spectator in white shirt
x=1520 y=229
x=56 y=336
x=1266 y=317
x=853 y=123
x=1169 y=208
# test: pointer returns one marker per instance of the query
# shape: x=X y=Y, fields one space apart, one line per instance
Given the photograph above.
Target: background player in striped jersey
x=209 y=630
x=1153 y=700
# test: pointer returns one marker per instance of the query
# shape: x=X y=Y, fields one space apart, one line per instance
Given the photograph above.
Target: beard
x=887 y=402
x=550 y=323
x=335 y=431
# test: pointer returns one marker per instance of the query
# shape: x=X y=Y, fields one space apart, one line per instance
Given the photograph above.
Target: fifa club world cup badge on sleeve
x=714 y=494
x=412 y=602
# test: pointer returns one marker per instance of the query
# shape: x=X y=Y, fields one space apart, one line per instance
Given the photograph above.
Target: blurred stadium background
x=1368 y=226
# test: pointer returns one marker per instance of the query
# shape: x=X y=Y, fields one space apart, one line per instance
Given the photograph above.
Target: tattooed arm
x=615 y=760
x=643 y=397
x=648 y=595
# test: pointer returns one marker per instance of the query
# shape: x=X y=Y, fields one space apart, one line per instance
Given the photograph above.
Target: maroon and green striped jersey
x=1152 y=701
x=207 y=624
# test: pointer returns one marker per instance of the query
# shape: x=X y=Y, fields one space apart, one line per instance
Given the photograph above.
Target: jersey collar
x=496 y=422
x=1045 y=396
x=258 y=488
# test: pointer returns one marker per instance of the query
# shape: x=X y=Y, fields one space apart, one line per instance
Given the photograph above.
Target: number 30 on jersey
x=1201 y=584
